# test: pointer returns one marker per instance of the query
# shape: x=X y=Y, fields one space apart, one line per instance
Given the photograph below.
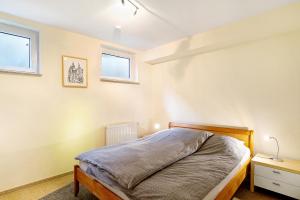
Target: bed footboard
x=96 y=188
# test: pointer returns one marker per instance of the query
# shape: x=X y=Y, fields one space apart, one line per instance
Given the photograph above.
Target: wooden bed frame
x=103 y=193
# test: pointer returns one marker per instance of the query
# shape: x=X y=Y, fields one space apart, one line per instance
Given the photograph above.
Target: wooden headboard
x=242 y=134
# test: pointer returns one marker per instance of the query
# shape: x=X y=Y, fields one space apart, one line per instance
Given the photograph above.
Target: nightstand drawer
x=275 y=174
x=277 y=186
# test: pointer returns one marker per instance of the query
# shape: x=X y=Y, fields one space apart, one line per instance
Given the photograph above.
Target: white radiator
x=120 y=133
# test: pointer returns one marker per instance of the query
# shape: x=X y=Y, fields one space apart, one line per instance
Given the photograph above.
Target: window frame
x=122 y=54
x=33 y=36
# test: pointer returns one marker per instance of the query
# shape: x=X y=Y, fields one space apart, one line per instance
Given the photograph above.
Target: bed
x=225 y=189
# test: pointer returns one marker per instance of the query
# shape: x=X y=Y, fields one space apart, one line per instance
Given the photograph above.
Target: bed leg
x=76 y=182
x=76 y=188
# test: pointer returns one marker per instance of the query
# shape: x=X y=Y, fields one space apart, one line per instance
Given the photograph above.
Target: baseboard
x=34 y=183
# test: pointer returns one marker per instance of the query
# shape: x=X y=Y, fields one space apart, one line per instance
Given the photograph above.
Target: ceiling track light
x=136 y=7
x=135 y=12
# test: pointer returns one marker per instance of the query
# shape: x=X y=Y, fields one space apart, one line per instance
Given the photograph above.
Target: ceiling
x=157 y=21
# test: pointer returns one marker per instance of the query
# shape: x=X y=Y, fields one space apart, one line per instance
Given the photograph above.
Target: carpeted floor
x=66 y=193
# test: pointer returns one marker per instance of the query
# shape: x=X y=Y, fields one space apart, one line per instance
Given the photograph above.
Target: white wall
x=43 y=125
x=255 y=84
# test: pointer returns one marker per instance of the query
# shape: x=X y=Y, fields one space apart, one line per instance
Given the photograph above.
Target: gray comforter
x=131 y=163
x=191 y=178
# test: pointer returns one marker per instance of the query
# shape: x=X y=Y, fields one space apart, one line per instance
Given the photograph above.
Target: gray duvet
x=190 y=178
x=129 y=164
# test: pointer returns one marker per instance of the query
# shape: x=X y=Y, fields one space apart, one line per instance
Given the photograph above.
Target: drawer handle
x=276 y=172
x=277 y=184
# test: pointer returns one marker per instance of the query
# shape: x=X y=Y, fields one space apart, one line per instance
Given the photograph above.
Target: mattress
x=214 y=192
x=210 y=195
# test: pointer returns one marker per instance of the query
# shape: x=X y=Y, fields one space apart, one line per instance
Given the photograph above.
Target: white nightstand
x=282 y=177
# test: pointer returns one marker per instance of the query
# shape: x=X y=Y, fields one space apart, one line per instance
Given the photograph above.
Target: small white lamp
x=156 y=126
x=268 y=138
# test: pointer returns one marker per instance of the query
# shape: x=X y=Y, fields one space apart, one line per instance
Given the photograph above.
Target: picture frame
x=74 y=72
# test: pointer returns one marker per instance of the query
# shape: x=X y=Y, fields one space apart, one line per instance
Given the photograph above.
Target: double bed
x=213 y=167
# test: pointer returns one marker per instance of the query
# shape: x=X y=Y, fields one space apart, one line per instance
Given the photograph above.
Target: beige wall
x=43 y=126
x=253 y=84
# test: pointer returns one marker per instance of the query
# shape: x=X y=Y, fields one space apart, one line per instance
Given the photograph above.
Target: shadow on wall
x=181 y=64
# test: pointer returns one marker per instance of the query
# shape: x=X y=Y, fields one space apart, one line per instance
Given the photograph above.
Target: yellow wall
x=43 y=126
x=253 y=84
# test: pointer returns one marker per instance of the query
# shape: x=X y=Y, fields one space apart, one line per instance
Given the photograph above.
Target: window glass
x=115 y=66
x=14 y=51
x=19 y=49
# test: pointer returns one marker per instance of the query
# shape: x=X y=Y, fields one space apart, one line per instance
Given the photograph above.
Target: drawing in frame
x=74 y=72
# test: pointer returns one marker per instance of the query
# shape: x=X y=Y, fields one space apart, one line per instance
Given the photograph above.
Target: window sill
x=115 y=80
x=20 y=72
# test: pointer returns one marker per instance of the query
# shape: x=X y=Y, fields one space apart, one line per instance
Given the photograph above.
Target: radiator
x=120 y=133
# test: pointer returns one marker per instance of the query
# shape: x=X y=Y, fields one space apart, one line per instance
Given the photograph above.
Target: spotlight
x=133 y=4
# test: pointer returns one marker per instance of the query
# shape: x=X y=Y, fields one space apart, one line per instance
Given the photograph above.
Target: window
x=18 y=49
x=117 y=66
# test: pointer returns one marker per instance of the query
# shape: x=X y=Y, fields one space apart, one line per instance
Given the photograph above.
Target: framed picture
x=74 y=72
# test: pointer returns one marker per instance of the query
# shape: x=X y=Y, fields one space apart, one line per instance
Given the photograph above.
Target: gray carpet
x=66 y=193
